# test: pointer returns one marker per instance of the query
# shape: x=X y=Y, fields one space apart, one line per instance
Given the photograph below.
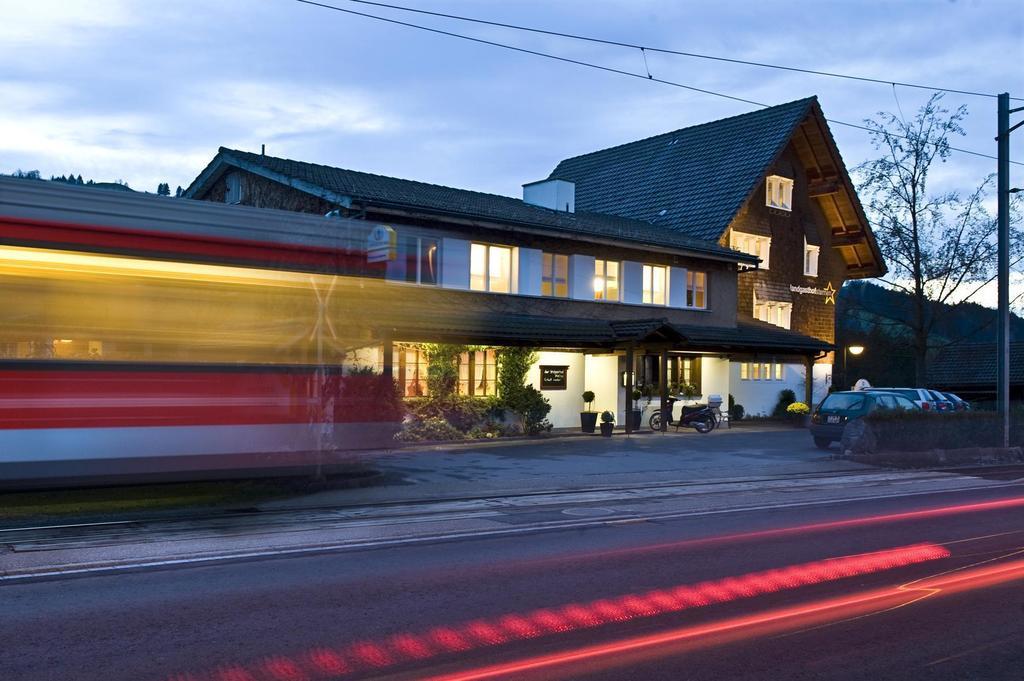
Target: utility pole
x=1003 y=260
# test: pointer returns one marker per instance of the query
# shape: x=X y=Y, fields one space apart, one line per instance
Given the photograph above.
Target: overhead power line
x=680 y=53
x=599 y=67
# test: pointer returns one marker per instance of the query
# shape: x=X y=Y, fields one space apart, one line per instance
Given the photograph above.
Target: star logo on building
x=830 y=294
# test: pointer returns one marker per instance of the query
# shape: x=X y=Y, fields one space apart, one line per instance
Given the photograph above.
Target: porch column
x=388 y=349
x=809 y=382
x=629 y=388
x=666 y=412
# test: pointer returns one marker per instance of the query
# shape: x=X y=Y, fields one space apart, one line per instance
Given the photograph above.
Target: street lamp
x=856 y=351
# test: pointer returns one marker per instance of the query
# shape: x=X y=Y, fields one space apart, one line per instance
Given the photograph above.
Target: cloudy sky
x=145 y=91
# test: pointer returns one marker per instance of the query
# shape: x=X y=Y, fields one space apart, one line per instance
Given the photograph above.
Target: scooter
x=700 y=417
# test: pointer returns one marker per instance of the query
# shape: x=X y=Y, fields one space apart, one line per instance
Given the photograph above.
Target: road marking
x=71 y=570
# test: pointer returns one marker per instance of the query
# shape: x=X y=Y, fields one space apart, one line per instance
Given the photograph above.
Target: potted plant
x=588 y=417
x=798 y=414
x=607 y=423
x=636 y=416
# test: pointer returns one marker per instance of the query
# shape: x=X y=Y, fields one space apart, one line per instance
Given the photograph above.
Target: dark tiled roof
x=690 y=181
x=751 y=334
x=973 y=364
x=421 y=196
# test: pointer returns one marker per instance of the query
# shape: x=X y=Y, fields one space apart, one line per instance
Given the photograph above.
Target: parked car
x=959 y=404
x=942 y=403
x=839 y=408
x=922 y=397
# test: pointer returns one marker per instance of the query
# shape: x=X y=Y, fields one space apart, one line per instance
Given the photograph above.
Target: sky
x=145 y=92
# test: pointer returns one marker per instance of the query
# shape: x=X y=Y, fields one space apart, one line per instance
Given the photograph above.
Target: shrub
x=513 y=366
x=736 y=412
x=607 y=417
x=432 y=428
x=366 y=396
x=461 y=412
x=588 y=398
x=786 y=398
x=798 y=409
x=532 y=406
x=442 y=369
x=915 y=431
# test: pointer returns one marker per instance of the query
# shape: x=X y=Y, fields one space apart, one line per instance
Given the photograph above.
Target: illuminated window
x=416 y=261
x=655 y=284
x=755 y=371
x=778 y=371
x=811 y=254
x=744 y=371
x=752 y=244
x=490 y=268
x=761 y=371
x=411 y=363
x=554 y=279
x=778 y=192
x=779 y=314
x=606 y=280
x=696 y=289
x=478 y=373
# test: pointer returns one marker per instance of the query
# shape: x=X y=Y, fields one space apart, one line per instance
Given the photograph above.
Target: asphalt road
x=851 y=591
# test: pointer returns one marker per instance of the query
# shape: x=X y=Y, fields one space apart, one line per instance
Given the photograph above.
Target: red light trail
x=364 y=656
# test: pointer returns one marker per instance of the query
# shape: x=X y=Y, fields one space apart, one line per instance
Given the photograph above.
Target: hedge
x=914 y=431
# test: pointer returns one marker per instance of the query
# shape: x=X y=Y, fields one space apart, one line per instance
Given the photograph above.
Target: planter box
x=588 y=421
x=606 y=429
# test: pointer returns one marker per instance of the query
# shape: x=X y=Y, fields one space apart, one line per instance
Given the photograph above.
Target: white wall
x=602 y=376
x=567 y=404
x=760 y=397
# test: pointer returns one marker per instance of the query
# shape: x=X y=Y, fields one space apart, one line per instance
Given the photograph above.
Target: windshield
x=843 y=402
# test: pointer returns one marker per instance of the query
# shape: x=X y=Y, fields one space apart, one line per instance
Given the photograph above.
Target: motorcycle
x=700 y=417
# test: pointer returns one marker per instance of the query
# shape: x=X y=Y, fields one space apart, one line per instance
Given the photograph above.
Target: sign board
x=554 y=377
x=829 y=291
x=382 y=244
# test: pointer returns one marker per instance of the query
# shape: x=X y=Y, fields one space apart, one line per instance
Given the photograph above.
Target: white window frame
x=648 y=288
x=549 y=276
x=601 y=278
x=487 y=249
x=752 y=244
x=812 y=254
x=773 y=312
x=778 y=192
x=692 y=277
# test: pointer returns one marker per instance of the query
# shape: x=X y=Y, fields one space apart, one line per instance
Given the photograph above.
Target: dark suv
x=839 y=408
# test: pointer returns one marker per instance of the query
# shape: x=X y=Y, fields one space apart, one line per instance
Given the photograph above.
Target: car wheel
x=822 y=443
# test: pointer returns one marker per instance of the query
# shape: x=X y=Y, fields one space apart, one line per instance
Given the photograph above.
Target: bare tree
x=940 y=247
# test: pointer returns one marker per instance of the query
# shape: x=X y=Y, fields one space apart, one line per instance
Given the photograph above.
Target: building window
x=655 y=284
x=606 y=280
x=761 y=371
x=416 y=261
x=758 y=246
x=233 y=191
x=778 y=192
x=490 y=268
x=412 y=371
x=779 y=314
x=478 y=373
x=811 y=254
x=696 y=289
x=554 y=279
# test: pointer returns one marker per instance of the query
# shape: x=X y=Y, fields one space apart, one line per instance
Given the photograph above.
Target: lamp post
x=856 y=351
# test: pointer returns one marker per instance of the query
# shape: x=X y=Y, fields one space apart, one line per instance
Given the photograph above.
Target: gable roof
x=693 y=180
x=345 y=187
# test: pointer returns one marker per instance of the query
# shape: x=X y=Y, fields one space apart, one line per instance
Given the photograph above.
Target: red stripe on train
x=100 y=398
x=73 y=236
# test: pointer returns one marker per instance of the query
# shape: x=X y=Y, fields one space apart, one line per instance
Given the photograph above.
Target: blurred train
x=146 y=337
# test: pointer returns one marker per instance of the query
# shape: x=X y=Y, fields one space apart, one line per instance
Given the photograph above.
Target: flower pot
x=588 y=421
x=635 y=419
x=606 y=429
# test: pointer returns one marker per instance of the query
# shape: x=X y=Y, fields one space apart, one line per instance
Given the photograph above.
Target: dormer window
x=811 y=254
x=752 y=244
x=778 y=192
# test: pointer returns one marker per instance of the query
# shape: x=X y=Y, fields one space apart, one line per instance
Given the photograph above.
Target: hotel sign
x=554 y=377
x=381 y=244
x=829 y=291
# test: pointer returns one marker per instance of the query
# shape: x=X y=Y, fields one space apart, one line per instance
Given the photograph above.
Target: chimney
x=557 y=195
x=263 y=150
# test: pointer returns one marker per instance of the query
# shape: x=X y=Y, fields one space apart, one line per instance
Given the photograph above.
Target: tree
x=940 y=247
x=178 y=192
x=163 y=189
